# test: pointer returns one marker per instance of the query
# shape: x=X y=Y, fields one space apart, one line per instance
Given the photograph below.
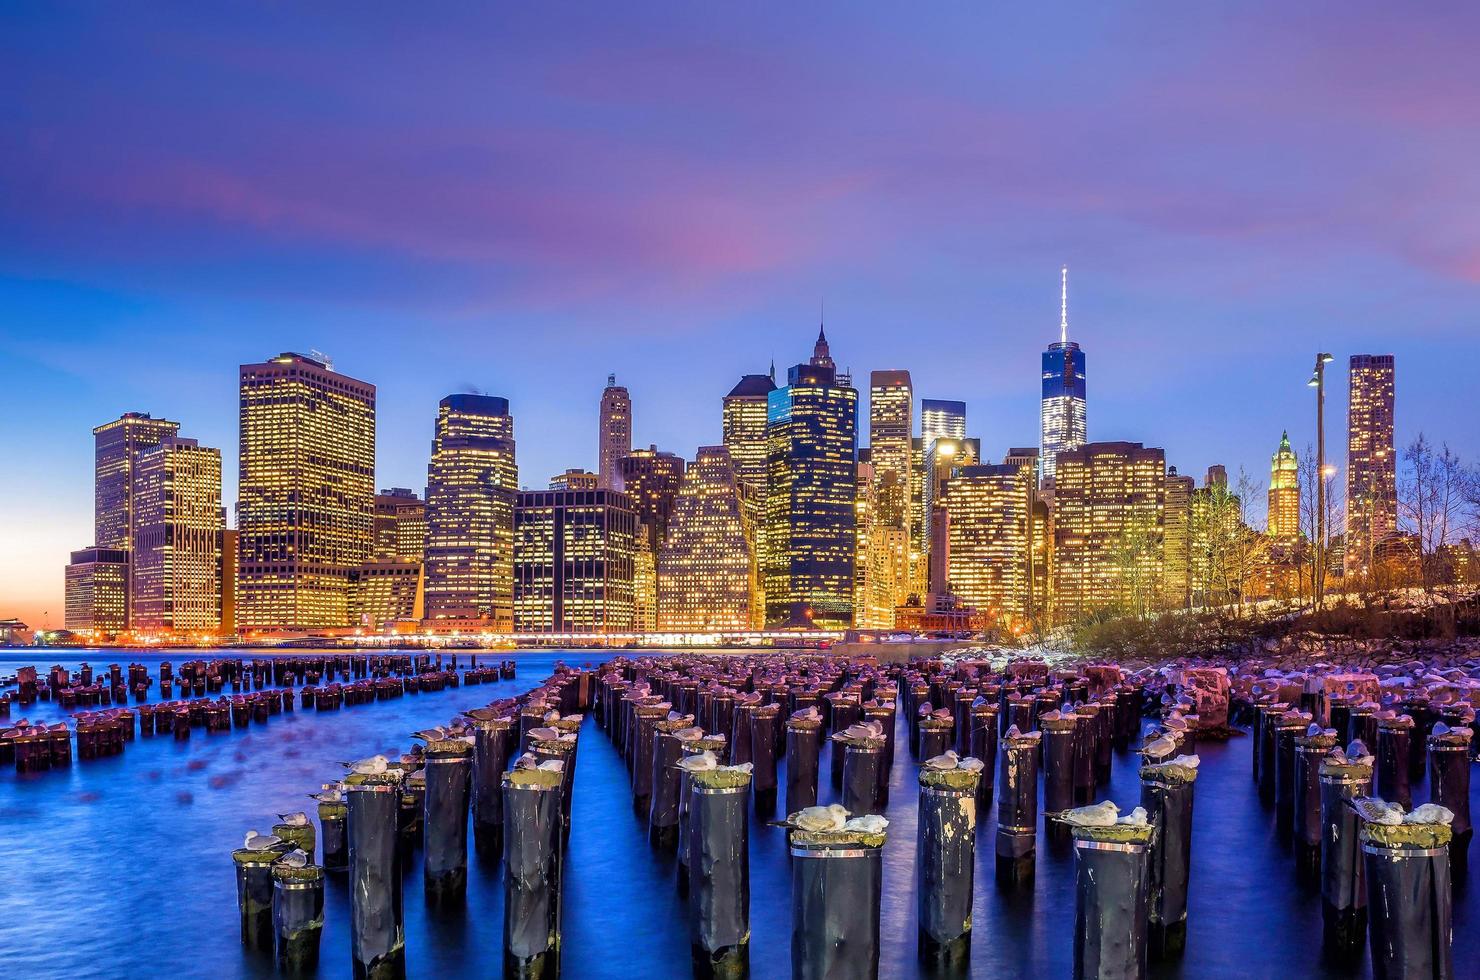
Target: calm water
x=121 y=866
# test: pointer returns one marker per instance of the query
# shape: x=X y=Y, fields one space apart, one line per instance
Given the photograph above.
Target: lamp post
x=1318 y=382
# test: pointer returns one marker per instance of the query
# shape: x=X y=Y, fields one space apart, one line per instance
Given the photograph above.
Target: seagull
x=819 y=818
x=373 y=766
x=942 y=763
x=924 y=710
x=1102 y=814
x=436 y=734
x=1441 y=729
x=551 y=765
x=689 y=734
x=861 y=730
x=870 y=823
x=809 y=713
x=329 y=795
x=551 y=716
x=1375 y=810
x=1357 y=751
x=675 y=716
x=1175 y=722
x=260 y=842
x=1430 y=813
x=1136 y=818
x=544 y=734
x=699 y=763
x=970 y=764
x=1185 y=761
x=527 y=760
x=1313 y=730
x=1159 y=748
x=299 y=819
x=294 y=859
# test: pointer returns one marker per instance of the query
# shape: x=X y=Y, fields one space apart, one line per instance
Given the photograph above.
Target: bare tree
x=1436 y=504
x=1307 y=551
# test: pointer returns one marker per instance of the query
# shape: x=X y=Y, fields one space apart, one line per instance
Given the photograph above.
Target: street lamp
x=1318 y=382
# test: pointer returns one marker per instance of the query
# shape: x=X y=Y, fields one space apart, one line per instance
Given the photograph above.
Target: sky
x=522 y=198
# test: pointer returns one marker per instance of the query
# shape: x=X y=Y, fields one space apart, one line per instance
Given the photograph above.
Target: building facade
x=652 y=478
x=941 y=419
x=744 y=421
x=116 y=448
x=400 y=526
x=575 y=479
x=1177 y=535
x=811 y=436
x=1109 y=526
x=614 y=440
x=306 y=492
x=1371 y=460
x=175 y=578
x=472 y=488
x=97 y=590
x=574 y=558
x=707 y=572
x=1284 y=494
x=989 y=535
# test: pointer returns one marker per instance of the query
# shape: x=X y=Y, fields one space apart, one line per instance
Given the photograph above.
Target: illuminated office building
x=574 y=557
x=919 y=562
x=945 y=455
x=575 y=479
x=226 y=573
x=644 y=583
x=175 y=574
x=97 y=590
x=615 y=436
x=890 y=423
x=1062 y=412
x=652 y=478
x=472 y=488
x=1177 y=537
x=988 y=510
x=707 y=574
x=1371 y=461
x=1040 y=532
x=940 y=419
x=385 y=593
x=400 y=526
x=306 y=492
x=811 y=435
x=745 y=427
x=1284 y=494
x=1109 y=514
x=116 y=448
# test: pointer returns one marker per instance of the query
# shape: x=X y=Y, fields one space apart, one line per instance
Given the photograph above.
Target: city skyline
x=156 y=244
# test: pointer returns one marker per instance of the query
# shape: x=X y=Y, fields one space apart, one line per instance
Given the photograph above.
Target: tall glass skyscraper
x=1371 y=460
x=472 y=486
x=615 y=439
x=1063 y=409
x=306 y=498
x=940 y=419
x=811 y=439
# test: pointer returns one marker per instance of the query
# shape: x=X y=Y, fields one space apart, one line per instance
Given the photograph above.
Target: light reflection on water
x=121 y=867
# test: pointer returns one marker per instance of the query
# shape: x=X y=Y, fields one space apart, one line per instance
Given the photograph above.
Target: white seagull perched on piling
x=702 y=762
x=861 y=730
x=689 y=734
x=330 y=794
x=1159 y=748
x=295 y=858
x=869 y=823
x=942 y=763
x=819 y=819
x=260 y=842
x=1376 y=810
x=299 y=819
x=545 y=734
x=373 y=766
x=1102 y=814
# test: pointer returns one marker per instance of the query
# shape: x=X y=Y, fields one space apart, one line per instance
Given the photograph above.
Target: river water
x=121 y=867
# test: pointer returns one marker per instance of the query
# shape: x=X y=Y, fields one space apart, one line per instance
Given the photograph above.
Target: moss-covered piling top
x=1407 y=834
x=391 y=777
x=669 y=726
x=331 y=811
x=1456 y=737
x=264 y=856
x=1321 y=741
x=1166 y=772
x=937 y=724
x=548 y=778
x=1120 y=833
x=568 y=725
x=1345 y=770
x=836 y=838
x=1023 y=740
x=448 y=748
x=721 y=778
x=1063 y=723
x=309 y=872
x=862 y=743
x=961 y=779
x=706 y=743
x=1399 y=722
x=804 y=724
x=557 y=746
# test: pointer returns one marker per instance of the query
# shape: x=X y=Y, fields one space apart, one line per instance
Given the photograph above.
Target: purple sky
x=521 y=199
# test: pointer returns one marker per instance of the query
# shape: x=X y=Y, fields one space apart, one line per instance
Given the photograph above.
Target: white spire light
x=1064 y=305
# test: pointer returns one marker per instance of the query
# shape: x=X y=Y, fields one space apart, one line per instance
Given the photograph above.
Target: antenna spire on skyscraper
x=1064 y=305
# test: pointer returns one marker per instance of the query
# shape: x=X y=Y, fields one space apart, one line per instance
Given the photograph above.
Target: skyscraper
x=574 y=552
x=811 y=434
x=988 y=508
x=306 y=492
x=942 y=459
x=97 y=590
x=117 y=446
x=745 y=427
x=1284 y=494
x=472 y=487
x=890 y=416
x=652 y=478
x=1109 y=522
x=615 y=437
x=1371 y=460
x=400 y=525
x=707 y=573
x=821 y=353
x=941 y=419
x=1177 y=531
x=175 y=579
x=1063 y=409
x=575 y=479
